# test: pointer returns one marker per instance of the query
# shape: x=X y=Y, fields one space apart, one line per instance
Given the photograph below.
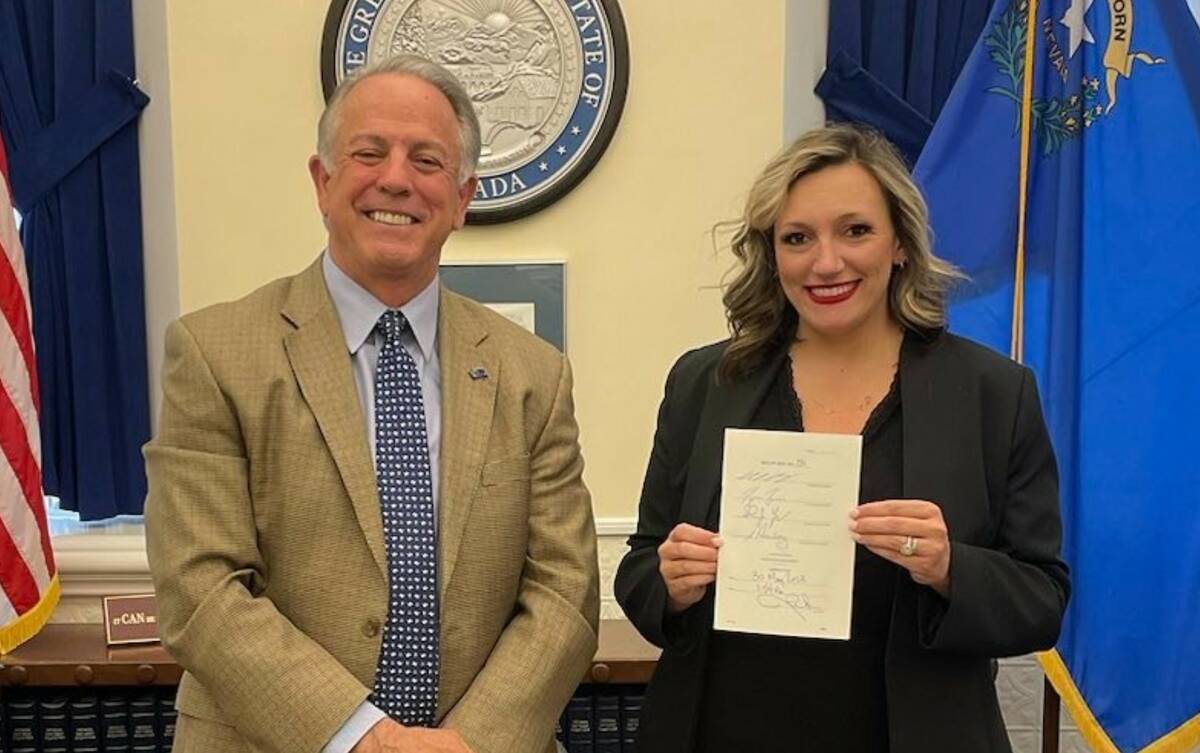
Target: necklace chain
x=866 y=402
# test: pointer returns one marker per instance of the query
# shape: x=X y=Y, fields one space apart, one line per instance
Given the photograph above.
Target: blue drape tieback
x=48 y=156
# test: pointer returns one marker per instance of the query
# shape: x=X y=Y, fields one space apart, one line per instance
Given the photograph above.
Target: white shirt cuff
x=356 y=728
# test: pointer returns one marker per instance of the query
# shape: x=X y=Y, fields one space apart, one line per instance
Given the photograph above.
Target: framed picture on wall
x=532 y=294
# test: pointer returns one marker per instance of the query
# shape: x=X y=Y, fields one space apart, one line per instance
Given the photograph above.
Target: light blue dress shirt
x=359 y=311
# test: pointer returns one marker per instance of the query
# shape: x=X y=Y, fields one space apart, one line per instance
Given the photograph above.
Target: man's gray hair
x=417 y=67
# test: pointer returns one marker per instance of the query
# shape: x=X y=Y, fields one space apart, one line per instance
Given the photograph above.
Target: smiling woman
x=835 y=244
x=837 y=314
x=865 y=174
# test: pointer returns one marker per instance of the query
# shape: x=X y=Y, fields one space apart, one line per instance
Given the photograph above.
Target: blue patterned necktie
x=406 y=681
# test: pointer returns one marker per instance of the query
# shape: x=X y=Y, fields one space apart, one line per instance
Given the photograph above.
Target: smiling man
x=366 y=520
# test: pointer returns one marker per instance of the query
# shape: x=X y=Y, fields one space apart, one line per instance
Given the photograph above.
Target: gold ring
x=909 y=547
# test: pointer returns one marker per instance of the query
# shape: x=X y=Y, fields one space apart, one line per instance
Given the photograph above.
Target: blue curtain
x=891 y=63
x=69 y=105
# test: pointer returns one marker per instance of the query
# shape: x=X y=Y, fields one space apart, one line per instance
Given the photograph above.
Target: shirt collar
x=359 y=311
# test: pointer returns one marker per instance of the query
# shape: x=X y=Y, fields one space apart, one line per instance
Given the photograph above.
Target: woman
x=837 y=317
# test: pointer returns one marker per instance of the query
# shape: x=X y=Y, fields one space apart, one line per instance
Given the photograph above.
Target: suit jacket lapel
x=725 y=406
x=467 y=406
x=317 y=351
x=943 y=459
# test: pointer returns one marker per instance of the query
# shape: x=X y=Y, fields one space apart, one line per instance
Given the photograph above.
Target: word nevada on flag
x=1063 y=176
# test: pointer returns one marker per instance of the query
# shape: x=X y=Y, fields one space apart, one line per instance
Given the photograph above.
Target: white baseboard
x=615 y=526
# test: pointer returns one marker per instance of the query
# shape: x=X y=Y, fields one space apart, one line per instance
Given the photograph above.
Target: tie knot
x=392 y=324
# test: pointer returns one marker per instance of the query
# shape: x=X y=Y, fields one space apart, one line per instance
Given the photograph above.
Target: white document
x=786 y=566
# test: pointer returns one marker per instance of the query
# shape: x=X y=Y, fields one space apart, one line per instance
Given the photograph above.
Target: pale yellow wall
x=704 y=112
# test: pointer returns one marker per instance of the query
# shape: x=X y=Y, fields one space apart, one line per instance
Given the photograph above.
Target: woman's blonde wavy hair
x=760 y=317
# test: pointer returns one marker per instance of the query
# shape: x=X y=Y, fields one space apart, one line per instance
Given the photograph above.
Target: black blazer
x=976 y=444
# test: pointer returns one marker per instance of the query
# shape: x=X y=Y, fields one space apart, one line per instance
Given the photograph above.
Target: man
x=320 y=590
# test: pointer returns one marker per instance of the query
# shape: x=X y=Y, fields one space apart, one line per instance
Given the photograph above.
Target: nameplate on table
x=130 y=619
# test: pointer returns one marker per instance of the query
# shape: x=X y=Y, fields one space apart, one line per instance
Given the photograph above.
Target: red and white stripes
x=28 y=578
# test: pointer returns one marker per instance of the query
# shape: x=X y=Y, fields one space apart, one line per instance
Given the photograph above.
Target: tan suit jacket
x=266 y=543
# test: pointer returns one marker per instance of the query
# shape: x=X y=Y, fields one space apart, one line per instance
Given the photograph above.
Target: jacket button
x=370 y=628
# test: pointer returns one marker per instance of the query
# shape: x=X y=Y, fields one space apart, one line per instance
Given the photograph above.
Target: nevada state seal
x=547 y=77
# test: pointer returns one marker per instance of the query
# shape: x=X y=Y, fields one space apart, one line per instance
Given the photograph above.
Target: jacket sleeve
x=639 y=588
x=1008 y=598
x=278 y=687
x=544 y=651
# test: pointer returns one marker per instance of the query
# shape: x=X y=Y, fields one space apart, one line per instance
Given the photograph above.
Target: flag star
x=1074 y=19
x=543 y=166
x=561 y=150
x=574 y=130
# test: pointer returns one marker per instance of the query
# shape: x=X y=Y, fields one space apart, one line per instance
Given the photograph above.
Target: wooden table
x=75 y=655
x=624 y=656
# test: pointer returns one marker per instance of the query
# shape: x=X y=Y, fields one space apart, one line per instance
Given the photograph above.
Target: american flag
x=28 y=578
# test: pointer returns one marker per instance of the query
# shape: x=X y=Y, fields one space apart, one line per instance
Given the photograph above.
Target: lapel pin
x=478 y=373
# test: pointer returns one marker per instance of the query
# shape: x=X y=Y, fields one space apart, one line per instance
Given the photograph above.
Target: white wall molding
x=92 y=566
x=86 y=557
x=615 y=526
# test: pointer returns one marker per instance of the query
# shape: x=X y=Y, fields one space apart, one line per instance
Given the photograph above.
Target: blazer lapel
x=725 y=406
x=467 y=406
x=943 y=459
x=317 y=351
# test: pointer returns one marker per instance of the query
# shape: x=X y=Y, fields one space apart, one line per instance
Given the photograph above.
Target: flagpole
x=1017 y=346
